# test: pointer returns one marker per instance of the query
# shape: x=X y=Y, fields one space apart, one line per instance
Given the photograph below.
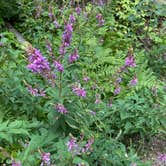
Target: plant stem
x=60 y=84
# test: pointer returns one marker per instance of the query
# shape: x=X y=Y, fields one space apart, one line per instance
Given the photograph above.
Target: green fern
x=11 y=130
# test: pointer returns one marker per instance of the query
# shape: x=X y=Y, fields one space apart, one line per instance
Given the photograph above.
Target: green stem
x=60 y=84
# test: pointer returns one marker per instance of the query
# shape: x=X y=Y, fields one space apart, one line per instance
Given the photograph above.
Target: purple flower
x=35 y=91
x=73 y=57
x=110 y=103
x=16 y=163
x=62 y=50
x=133 y=164
x=100 y=19
x=117 y=90
x=134 y=81
x=86 y=79
x=50 y=15
x=79 y=91
x=101 y=3
x=67 y=35
x=69 y=28
x=38 y=11
x=89 y=143
x=1 y=44
x=49 y=47
x=94 y=87
x=85 y=16
x=72 y=145
x=97 y=101
x=61 y=109
x=78 y=10
x=130 y=61
x=72 y=19
x=56 y=23
x=45 y=159
x=118 y=80
x=122 y=69
x=162 y=158
x=92 y=113
x=58 y=66
x=38 y=63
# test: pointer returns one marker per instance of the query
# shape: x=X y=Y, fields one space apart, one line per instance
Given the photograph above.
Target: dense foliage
x=90 y=80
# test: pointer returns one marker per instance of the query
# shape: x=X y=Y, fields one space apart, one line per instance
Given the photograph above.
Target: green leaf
x=78 y=160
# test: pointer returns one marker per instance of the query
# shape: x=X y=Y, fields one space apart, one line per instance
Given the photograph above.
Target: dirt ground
x=152 y=149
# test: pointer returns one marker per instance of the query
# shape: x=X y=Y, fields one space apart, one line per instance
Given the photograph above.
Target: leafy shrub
x=79 y=106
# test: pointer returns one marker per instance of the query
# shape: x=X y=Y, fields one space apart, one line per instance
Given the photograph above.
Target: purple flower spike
x=89 y=143
x=56 y=24
x=100 y=19
x=1 y=44
x=130 y=61
x=49 y=47
x=117 y=90
x=72 y=18
x=38 y=63
x=86 y=79
x=35 y=91
x=50 y=15
x=58 y=66
x=118 y=80
x=45 y=159
x=62 y=50
x=69 y=28
x=162 y=158
x=134 y=81
x=101 y=3
x=73 y=57
x=61 y=109
x=79 y=91
x=78 y=10
x=110 y=103
x=16 y=163
x=67 y=35
x=72 y=145
x=92 y=113
x=97 y=101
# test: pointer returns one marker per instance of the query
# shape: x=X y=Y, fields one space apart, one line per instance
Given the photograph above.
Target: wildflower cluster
x=129 y=62
x=77 y=149
x=52 y=17
x=36 y=91
x=58 y=66
x=74 y=56
x=45 y=157
x=38 y=63
x=61 y=109
x=100 y=19
x=16 y=163
x=79 y=91
x=162 y=158
x=78 y=10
